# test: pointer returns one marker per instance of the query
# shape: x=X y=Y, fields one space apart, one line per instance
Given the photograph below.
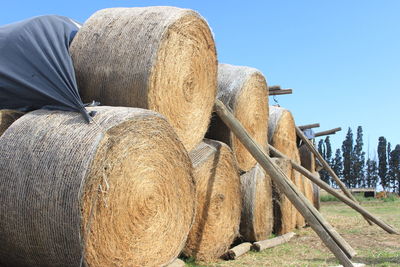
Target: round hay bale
x=218 y=201
x=284 y=212
x=244 y=90
x=257 y=216
x=117 y=192
x=308 y=161
x=7 y=117
x=158 y=58
x=300 y=181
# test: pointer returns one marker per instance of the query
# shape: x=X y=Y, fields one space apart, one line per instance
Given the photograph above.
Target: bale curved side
x=159 y=58
x=301 y=182
x=244 y=90
x=118 y=192
x=308 y=162
x=257 y=213
x=218 y=201
x=7 y=117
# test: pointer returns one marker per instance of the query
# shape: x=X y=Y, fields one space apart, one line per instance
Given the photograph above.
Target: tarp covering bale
x=159 y=58
x=282 y=135
x=257 y=215
x=284 y=212
x=117 y=192
x=244 y=90
x=218 y=201
x=308 y=162
x=7 y=117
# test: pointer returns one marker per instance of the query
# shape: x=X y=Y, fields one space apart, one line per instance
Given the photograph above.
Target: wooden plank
x=281 y=92
x=283 y=183
x=327 y=132
x=353 y=204
x=237 y=251
x=273 y=242
x=309 y=126
x=325 y=165
x=177 y=263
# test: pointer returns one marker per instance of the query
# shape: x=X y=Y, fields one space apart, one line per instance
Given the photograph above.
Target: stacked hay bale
x=244 y=91
x=282 y=135
x=7 y=117
x=158 y=58
x=308 y=162
x=257 y=210
x=218 y=201
x=115 y=192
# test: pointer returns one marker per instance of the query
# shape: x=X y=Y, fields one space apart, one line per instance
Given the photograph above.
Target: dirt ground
x=373 y=245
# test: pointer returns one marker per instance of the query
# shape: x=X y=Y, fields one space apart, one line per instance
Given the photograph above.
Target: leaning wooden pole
x=327 y=132
x=283 y=183
x=326 y=166
x=309 y=126
x=354 y=205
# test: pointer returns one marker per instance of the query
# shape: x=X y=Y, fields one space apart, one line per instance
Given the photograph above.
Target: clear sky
x=341 y=57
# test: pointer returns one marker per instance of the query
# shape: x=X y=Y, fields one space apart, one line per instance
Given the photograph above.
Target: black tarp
x=36 y=69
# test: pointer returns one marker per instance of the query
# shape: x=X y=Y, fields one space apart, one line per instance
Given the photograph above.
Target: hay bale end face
x=244 y=90
x=158 y=58
x=218 y=201
x=7 y=117
x=118 y=192
x=257 y=216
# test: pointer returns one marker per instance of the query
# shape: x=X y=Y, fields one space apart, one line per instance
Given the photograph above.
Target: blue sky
x=342 y=58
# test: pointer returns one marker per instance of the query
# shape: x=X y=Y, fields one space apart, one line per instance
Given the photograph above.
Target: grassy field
x=374 y=246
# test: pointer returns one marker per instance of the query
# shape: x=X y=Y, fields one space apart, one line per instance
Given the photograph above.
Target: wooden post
x=327 y=132
x=177 y=263
x=284 y=184
x=325 y=165
x=273 y=242
x=237 y=251
x=309 y=126
x=353 y=204
x=274 y=88
x=281 y=92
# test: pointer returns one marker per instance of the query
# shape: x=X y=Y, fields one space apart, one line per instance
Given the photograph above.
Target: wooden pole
x=273 y=242
x=354 y=205
x=281 y=92
x=327 y=132
x=309 y=126
x=274 y=88
x=283 y=183
x=237 y=251
x=326 y=166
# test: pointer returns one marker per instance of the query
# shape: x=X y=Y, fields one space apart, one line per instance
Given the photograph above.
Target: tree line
x=355 y=170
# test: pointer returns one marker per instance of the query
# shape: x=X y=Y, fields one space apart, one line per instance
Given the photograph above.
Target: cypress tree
x=382 y=164
x=358 y=159
x=347 y=152
x=337 y=164
x=323 y=173
x=394 y=169
x=371 y=177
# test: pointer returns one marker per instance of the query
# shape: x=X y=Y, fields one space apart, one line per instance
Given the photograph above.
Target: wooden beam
x=309 y=126
x=326 y=166
x=273 y=242
x=353 y=204
x=237 y=251
x=284 y=184
x=281 y=92
x=274 y=88
x=328 y=132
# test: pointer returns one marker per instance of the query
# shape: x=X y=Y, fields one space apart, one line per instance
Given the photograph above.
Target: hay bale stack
x=284 y=212
x=308 y=162
x=244 y=90
x=257 y=215
x=218 y=201
x=7 y=117
x=158 y=58
x=118 y=192
x=300 y=181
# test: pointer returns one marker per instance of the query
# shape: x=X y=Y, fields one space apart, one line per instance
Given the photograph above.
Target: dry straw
x=284 y=212
x=158 y=58
x=244 y=91
x=308 y=162
x=118 y=192
x=218 y=201
x=7 y=117
x=282 y=135
x=257 y=216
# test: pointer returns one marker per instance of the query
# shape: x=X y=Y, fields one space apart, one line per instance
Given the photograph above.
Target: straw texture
x=158 y=58
x=7 y=117
x=244 y=90
x=117 y=192
x=218 y=201
x=257 y=215
x=308 y=162
x=284 y=212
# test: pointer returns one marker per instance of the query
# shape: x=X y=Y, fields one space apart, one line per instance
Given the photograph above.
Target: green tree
x=382 y=162
x=358 y=161
x=337 y=164
x=347 y=153
x=328 y=150
x=371 y=177
x=394 y=169
x=322 y=150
